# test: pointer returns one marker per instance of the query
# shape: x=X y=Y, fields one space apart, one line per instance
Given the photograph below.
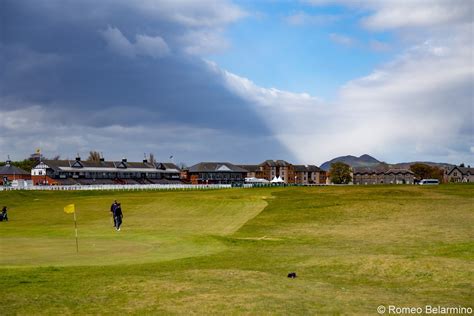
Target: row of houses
x=405 y=176
x=73 y=172
x=459 y=174
x=391 y=176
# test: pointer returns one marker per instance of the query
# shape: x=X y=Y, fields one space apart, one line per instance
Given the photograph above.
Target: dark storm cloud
x=55 y=56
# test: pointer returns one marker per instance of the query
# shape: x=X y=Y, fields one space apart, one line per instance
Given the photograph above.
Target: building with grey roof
x=54 y=172
x=460 y=174
x=9 y=173
x=216 y=173
x=381 y=176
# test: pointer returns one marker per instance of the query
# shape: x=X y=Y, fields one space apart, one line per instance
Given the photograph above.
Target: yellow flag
x=69 y=208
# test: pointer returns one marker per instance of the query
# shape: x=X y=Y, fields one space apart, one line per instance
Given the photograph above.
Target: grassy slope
x=353 y=248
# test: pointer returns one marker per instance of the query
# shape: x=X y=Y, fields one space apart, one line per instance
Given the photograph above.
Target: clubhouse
x=215 y=173
x=73 y=172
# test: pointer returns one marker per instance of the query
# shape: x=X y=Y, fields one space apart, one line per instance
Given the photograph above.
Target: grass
x=228 y=251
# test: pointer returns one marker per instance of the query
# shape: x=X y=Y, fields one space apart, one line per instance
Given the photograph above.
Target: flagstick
x=75 y=228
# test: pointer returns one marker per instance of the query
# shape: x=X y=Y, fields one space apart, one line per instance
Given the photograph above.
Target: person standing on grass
x=112 y=210
x=118 y=217
x=4 y=214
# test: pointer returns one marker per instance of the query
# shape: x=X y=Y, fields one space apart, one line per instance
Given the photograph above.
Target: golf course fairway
x=229 y=251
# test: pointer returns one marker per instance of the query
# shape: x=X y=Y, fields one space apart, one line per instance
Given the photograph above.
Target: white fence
x=120 y=187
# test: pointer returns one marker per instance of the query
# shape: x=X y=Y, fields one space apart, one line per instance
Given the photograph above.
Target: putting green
x=157 y=226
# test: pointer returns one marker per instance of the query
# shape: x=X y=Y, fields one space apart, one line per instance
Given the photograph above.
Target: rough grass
x=228 y=252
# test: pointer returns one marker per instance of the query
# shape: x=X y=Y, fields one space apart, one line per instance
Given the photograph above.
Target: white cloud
x=267 y=99
x=342 y=39
x=396 y=14
x=178 y=20
x=144 y=45
x=379 y=46
x=201 y=42
x=151 y=46
x=416 y=13
x=118 y=43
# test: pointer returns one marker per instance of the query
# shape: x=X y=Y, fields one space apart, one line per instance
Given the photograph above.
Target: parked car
x=429 y=182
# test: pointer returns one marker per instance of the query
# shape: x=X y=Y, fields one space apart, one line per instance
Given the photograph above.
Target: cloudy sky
x=242 y=81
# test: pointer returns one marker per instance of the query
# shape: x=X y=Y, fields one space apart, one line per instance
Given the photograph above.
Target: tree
x=94 y=156
x=340 y=173
x=151 y=158
x=421 y=171
x=437 y=173
x=424 y=171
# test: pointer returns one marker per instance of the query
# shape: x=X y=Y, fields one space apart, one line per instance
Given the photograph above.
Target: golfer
x=4 y=215
x=112 y=210
x=118 y=217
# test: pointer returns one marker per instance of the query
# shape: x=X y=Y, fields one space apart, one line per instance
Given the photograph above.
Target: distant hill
x=368 y=161
x=353 y=161
x=406 y=165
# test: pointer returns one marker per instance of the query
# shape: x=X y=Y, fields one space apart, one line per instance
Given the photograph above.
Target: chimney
x=145 y=160
x=101 y=159
x=124 y=159
x=78 y=158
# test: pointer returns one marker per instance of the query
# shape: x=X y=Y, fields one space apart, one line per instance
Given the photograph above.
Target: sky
x=238 y=81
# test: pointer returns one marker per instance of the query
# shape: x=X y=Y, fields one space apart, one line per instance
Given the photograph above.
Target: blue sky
x=243 y=81
x=300 y=56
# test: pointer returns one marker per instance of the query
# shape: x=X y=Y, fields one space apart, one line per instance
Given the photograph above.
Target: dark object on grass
x=292 y=275
x=4 y=215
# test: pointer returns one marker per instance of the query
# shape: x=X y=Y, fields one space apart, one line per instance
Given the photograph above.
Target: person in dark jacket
x=112 y=210
x=118 y=216
x=4 y=215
